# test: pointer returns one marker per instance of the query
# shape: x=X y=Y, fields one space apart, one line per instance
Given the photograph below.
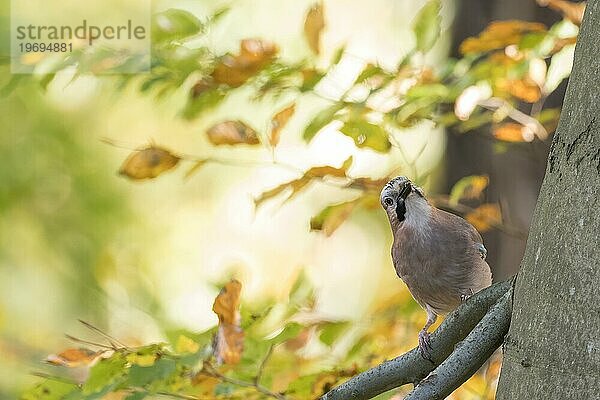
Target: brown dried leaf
x=229 y=340
x=313 y=26
x=235 y=70
x=279 y=121
x=484 y=217
x=296 y=186
x=73 y=357
x=232 y=132
x=321 y=172
x=500 y=34
x=227 y=303
x=148 y=163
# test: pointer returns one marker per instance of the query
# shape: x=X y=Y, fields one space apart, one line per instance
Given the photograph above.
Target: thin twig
x=113 y=341
x=496 y=103
x=104 y=346
x=263 y=364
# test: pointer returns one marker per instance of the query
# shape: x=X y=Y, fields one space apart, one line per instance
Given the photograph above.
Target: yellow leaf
x=468 y=188
x=186 y=345
x=143 y=360
x=313 y=26
x=229 y=340
x=148 y=163
x=232 y=132
x=484 y=217
x=279 y=121
x=500 y=34
x=73 y=357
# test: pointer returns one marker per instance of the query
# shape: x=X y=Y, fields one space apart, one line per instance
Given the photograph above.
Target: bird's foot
x=465 y=297
x=425 y=345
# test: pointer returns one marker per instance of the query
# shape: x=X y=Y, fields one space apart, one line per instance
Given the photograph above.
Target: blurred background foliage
x=278 y=122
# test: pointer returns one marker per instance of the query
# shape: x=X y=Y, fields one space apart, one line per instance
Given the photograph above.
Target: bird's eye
x=388 y=201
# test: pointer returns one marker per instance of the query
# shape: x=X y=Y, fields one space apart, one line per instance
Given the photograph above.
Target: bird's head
x=400 y=199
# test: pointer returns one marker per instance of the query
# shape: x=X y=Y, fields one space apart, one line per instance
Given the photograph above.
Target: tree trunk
x=553 y=346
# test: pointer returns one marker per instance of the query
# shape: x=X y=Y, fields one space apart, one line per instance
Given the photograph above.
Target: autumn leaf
x=327 y=170
x=500 y=34
x=229 y=340
x=295 y=186
x=74 y=357
x=468 y=188
x=279 y=121
x=232 y=132
x=484 y=217
x=513 y=132
x=525 y=89
x=148 y=163
x=254 y=55
x=313 y=26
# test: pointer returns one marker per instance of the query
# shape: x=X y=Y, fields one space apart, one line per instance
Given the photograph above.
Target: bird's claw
x=425 y=345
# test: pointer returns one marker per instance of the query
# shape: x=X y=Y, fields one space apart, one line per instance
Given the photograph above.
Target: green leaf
x=366 y=134
x=331 y=331
x=323 y=118
x=290 y=331
x=174 y=24
x=204 y=102
x=105 y=373
x=136 y=396
x=49 y=390
x=141 y=376
x=426 y=25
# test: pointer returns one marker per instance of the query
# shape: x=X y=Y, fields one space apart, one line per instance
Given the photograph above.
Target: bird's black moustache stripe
x=401 y=209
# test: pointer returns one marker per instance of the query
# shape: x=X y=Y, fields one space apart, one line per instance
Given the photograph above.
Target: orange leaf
x=148 y=163
x=232 y=132
x=313 y=26
x=235 y=70
x=279 y=121
x=525 y=89
x=513 y=132
x=73 y=357
x=484 y=217
x=500 y=34
x=229 y=340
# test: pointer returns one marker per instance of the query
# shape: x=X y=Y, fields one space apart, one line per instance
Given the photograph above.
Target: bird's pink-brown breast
x=440 y=263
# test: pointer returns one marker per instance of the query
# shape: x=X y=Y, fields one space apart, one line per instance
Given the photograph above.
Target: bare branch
x=469 y=355
x=411 y=367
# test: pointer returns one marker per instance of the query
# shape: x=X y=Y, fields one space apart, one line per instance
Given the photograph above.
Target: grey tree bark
x=553 y=346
